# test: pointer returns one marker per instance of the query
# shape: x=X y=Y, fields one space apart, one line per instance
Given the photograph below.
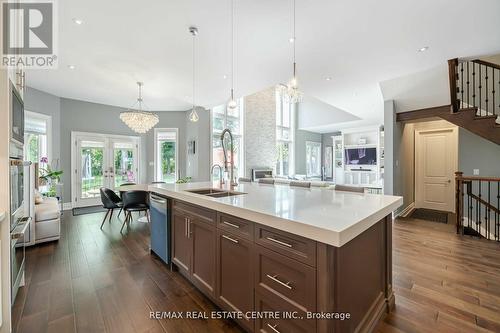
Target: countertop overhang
x=325 y=215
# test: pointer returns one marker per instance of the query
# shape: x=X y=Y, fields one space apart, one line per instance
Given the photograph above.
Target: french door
x=100 y=160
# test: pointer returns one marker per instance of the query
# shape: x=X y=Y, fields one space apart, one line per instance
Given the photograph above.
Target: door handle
x=230 y=239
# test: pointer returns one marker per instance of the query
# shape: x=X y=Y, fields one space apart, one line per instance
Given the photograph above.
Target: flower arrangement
x=49 y=176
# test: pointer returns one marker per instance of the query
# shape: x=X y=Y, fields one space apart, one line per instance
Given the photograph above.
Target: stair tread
x=485 y=117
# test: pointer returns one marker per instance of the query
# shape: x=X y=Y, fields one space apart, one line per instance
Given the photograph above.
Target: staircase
x=478 y=206
x=474 y=96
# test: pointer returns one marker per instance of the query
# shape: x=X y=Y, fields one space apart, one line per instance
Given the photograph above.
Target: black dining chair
x=134 y=201
x=158 y=182
x=110 y=201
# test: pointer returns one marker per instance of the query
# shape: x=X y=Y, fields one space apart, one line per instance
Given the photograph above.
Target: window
x=284 y=136
x=222 y=119
x=37 y=129
x=166 y=154
x=313 y=159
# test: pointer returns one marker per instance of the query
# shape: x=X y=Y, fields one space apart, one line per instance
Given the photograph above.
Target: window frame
x=315 y=143
x=48 y=132
x=280 y=127
x=216 y=134
x=157 y=171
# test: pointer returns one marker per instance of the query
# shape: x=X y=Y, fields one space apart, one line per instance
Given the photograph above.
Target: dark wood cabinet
x=235 y=274
x=181 y=244
x=245 y=267
x=203 y=271
x=194 y=245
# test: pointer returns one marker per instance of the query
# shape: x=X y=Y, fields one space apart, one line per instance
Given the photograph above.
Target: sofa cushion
x=48 y=210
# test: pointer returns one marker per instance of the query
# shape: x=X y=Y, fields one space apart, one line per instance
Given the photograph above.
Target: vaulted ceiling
x=356 y=43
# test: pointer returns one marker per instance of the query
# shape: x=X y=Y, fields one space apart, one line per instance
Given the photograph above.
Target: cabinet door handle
x=273 y=327
x=186 y=227
x=279 y=242
x=231 y=239
x=275 y=279
x=189 y=227
x=231 y=224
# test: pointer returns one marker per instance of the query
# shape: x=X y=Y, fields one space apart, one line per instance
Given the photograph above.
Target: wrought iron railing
x=478 y=206
x=475 y=84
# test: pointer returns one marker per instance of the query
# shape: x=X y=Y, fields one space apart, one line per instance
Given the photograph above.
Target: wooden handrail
x=477 y=178
x=486 y=63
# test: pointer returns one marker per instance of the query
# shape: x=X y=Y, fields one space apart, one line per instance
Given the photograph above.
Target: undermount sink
x=215 y=193
x=206 y=191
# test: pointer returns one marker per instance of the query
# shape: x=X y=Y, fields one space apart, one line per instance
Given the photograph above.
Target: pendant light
x=193 y=116
x=291 y=90
x=139 y=120
x=232 y=105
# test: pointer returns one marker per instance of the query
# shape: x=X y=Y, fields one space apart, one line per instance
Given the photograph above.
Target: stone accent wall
x=260 y=130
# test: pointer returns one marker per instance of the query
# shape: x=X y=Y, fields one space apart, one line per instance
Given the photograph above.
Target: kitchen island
x=285 y=259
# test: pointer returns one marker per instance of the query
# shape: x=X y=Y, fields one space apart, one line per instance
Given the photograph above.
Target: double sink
x=215 y=193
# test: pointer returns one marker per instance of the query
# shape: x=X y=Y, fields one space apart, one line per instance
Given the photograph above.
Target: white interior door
x=100 y=160
x=436 y=160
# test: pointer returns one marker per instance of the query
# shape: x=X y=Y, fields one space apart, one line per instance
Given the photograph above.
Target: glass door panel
x=124 y=168
x=166 y=157
x=91 y=173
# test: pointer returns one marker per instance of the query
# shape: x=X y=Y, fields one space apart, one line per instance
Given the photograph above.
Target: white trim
x=67 y=206
x=155 y=142
x=48 y=120
x=406 y=211
x=108 y=137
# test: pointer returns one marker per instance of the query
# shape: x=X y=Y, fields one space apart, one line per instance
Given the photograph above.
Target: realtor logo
x=28 y=34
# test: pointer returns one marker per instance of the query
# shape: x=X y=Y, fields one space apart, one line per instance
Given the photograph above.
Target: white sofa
x=47 y=221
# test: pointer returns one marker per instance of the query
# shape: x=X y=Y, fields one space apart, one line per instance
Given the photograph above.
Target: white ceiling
x=358 y=43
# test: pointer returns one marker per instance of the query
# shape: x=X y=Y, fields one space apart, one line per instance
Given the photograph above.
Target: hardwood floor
x=96 y=280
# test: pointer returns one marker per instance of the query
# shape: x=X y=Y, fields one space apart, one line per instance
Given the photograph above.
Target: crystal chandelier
x=193 y=116
x=232 y=105
x=291 y=91
x=139 y=120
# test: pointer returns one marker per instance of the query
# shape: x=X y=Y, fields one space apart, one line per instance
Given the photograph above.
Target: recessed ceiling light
x=78 y=21
x=291 y=39
x=328 y=78
x=423 y=49
x=71 y=67
x=224 y=77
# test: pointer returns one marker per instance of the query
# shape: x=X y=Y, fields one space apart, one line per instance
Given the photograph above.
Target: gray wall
x=198 y=164
x=73 y=115
x=41 y=102
x=301 y=137
x=474 y=152
x=260 y=130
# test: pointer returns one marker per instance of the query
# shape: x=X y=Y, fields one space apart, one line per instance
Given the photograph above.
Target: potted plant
x=49 y=177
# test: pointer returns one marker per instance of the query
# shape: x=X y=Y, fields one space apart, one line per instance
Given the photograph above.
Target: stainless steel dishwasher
x=160 y=209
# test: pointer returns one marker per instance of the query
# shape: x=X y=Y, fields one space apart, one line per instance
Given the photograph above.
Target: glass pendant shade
x=193 y=116
x=140 y=121
x=232 y=105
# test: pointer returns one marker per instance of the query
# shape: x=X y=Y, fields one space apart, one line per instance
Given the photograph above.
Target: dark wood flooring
x=95 y=280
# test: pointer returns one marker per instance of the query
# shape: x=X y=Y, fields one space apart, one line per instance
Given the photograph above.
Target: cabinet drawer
x=199 y=213
x=284 y=277
x=235 y=225
x=293 y=246
x=265 y=303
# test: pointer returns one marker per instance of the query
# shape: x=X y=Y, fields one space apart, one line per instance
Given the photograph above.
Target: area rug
x=430 y=215
x=88 y=210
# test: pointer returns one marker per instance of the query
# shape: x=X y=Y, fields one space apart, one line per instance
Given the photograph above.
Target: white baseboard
x=406 y=211
x=482 y=230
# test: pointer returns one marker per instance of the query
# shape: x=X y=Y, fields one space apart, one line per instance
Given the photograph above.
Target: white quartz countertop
x=327 y=216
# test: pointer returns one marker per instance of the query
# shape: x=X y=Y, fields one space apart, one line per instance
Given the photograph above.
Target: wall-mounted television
x=360 y=156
